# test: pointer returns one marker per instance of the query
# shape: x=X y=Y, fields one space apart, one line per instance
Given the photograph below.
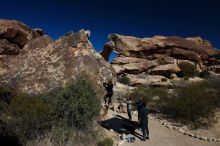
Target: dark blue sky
x=141 y=18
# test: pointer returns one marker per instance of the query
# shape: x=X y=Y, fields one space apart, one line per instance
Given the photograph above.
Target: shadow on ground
x=121 y=125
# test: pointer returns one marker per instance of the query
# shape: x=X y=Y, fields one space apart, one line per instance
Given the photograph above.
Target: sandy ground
x=162 y=136
x=159 y=135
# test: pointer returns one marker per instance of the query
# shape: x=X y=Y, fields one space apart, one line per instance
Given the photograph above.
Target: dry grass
x=61 y=137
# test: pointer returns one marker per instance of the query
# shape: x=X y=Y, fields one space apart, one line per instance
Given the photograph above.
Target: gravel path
x=162 y=136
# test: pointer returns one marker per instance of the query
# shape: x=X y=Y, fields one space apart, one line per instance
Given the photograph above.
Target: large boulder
x=186 y=48
x=46 y=65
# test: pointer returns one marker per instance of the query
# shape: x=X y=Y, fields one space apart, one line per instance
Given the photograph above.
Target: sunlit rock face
x=159 y=55
x=43 y=65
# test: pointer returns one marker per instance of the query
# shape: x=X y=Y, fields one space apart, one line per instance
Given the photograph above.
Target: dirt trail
x=162 y=136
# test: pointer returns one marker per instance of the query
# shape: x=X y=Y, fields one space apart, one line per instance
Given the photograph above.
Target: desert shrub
x=71 y=109
x=148 y=94
x=61 y=136
x=106 y=142
x=187 y=70
x=214 y=86
x=124 y=80
x=194 y=104
x=205 y=74
x=26 y=116
x=77 y=105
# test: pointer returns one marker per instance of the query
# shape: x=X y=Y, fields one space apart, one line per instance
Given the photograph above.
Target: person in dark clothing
x=109 y=88
x=144 y=122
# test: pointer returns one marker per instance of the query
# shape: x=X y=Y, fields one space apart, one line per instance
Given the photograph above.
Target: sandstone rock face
x=165 y=69
x=159 y=55
x=177 y=47
x=16 y=32
x=148 y=80
x=108 y=48
x=44 y=65
x=14 y=35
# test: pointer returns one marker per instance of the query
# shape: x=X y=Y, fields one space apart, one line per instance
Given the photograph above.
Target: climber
x=109 y=89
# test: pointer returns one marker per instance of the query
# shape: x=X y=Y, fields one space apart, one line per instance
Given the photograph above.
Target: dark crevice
x=13 y=39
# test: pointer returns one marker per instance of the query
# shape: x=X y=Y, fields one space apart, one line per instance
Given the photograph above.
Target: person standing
x=129 y=108
x=139 y=105
x=144 y=121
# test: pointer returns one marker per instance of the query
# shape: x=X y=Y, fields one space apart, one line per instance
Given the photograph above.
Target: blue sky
x=141 y=18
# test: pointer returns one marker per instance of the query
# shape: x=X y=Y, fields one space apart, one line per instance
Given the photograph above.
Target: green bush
x=194 y=104
x=71 y=109
x=124 y=80
x=148 y=94
x=27 y=116
x=187 y=70
x=77 y=105
x=214 y=85
x=106 y=142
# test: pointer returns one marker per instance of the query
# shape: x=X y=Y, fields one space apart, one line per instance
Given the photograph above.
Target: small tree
x=187 y=70
x=124 y=80
x=78 y=105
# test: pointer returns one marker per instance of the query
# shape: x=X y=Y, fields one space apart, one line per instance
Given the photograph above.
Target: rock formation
x=13 y=37
x=32 y=62
x=159 y=55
